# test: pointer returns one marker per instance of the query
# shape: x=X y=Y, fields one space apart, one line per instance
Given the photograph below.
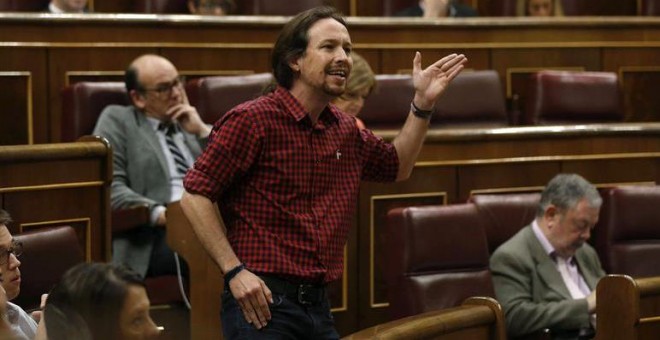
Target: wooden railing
x=628 y=308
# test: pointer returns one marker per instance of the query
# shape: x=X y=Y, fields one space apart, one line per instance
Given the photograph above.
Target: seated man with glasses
x=21 y=324
x=154 y=142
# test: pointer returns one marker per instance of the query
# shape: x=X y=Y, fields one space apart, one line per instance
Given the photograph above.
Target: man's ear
x=294 y=64
x=550 y=214
x=138 y=99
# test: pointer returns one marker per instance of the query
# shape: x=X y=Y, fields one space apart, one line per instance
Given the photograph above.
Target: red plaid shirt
x=287 y=188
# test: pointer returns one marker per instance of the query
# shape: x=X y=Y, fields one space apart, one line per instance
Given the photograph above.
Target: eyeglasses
x=165 y=90
x=16 y=248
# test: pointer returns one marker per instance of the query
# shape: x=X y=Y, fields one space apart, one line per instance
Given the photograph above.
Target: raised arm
x=429 y=84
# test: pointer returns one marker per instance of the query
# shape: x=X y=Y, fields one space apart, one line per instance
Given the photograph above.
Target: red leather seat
x=270 y=7
x=82 y=104
x=505 y=214
x=214 y=96
x=559 y=97
x=24 y=5
x=388 y=106
x=161 y=6
x=47 y=254
x=649 y=7
x=437 y=258
x=627 y=236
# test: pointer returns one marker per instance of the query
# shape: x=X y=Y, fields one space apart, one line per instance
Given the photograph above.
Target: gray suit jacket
x=140 y=175
x=531 y=290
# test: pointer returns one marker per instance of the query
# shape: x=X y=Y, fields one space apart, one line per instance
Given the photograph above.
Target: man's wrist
x=424 y=114
x=233 y=272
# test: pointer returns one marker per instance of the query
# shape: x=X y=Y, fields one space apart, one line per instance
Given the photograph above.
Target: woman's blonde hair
x=521 y=8
x=361 y=77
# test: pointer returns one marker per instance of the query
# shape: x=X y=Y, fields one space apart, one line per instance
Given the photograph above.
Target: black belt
x=304 y=294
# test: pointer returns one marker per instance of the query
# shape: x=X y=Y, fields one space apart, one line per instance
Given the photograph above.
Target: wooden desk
x=48 y=185
x=453 y=165
x=41 y=53
x=628 y=308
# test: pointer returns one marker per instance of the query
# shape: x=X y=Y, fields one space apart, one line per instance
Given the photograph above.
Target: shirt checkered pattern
x=287 y=188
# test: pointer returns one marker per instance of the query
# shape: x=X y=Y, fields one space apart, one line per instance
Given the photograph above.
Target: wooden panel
x=641 y=100
x=23 y=92
x=44 y=185
x=227 y=60
x=428 y=185
x=616 y=170
x=516 y=64
x=17 y=116
x=400 y=61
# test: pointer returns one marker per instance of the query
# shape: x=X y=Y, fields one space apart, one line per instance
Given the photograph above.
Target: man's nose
x=13 y=261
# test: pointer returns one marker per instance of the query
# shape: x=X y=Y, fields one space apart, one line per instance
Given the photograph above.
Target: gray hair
x=564 y=191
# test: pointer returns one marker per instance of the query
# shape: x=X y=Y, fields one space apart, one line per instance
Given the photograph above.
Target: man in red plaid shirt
x=285 y=170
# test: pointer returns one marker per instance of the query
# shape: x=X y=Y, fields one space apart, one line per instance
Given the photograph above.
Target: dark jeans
x=290 y=320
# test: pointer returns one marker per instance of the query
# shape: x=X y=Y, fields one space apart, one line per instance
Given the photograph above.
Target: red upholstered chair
x=82 y=104
x=505 y=214
x=457 y=107
x=161 y=6
x=270 y=7
x=24 y=5
x=214 y=96
x=47 y=254
x=560 y=97
x=502 y=8
x=627 y=236
x=388 y=106
x=649 y=7
x=437 y=258
x=391 y=7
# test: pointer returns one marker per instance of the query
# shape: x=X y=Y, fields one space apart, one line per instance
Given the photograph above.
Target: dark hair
x=91 y=293
x=293 y=39
x=5 y=218
x=564 y=191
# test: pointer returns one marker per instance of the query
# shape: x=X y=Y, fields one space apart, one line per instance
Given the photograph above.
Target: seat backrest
x=505 y=214
x=502 y=8
x=437 y=257
x=161 y=6
x=391 y=7
x=24 y=5
x=457 y=106
x=628 y=231
x=649 y=7
x=82 y=104
x=47 y=254
x=270 y=7
x=388 y=105
x=560 y=97
x=214 y=96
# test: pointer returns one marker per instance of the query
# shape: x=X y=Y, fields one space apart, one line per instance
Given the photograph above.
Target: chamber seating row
x=439 y=255
x=389 y=7
x=473 y=99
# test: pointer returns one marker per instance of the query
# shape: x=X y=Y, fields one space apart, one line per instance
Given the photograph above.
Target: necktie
x=562 y=265
x=179 y=160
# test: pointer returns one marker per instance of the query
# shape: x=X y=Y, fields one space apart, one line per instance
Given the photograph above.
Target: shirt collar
x=294 y=107
x=545 y=243
x=153 y=122
x=54 y=9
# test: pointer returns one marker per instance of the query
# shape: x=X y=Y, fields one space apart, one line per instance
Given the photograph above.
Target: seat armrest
x=129 y=218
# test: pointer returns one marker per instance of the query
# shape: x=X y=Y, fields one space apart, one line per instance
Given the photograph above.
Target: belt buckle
x=302 y=292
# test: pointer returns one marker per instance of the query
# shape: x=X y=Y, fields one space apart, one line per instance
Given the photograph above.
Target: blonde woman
x=361 y=83
x=539 y=8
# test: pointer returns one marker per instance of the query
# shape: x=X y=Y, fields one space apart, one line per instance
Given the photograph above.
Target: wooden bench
x=477 y=318
x=628 y=308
